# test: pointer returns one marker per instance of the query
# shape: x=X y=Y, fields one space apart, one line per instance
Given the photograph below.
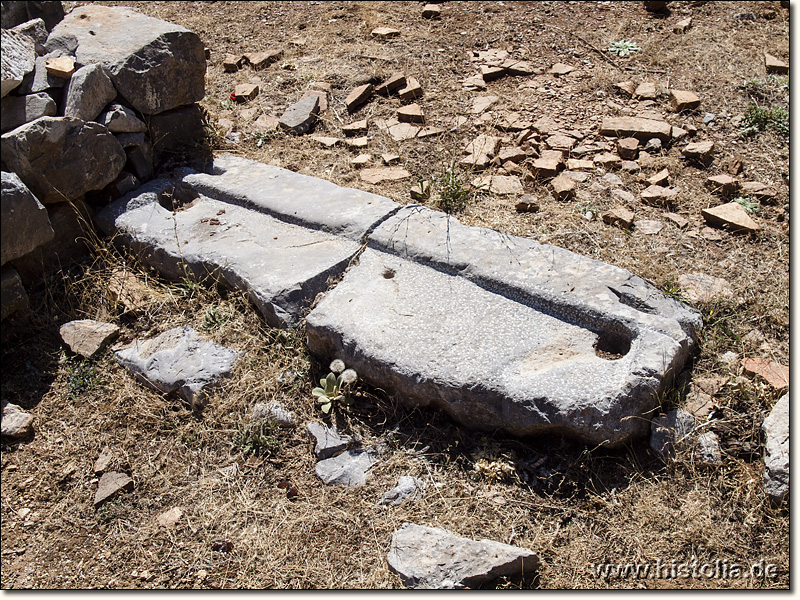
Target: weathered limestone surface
x=62 y=158
x=433 y=558
x=293 y=197
x=17 y=59
x=178 y=360
x=154 y=64
x=18 y=110
x=281 y=265
x=776 y=450
x=452 y=336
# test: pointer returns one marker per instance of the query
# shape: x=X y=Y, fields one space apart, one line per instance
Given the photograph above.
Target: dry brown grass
x=573 y=505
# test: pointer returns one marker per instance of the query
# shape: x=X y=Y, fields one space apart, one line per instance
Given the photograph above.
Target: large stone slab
x=641 y=129
x=25 y=222
x=62 y=158
x=434 y=558
x=776 y=450
x=293 y=197
x=178 y=360
x=503 y=332
x=155 y=65
x=282 y=266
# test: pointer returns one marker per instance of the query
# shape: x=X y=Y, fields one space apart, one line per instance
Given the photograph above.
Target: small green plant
x=110 y=510
x=760 y=118
x=261 y=137
x=258 y=438
x=335 y=387
x=213 y=319
x=746 y=204
x=453 y=191
x=226 y=104
x=673 y=290
x=623 y=48
x=84 y=376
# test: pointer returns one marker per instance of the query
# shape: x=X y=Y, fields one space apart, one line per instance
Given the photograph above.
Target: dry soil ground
x=574 y=505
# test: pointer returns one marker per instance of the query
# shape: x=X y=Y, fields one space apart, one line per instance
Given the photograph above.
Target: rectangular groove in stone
x=282 y=266
x=293 y=197
x=487 y=360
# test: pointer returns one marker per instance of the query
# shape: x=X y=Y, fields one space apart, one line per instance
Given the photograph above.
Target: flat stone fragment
x=348 y=468
x=328 y=441
x=561 y=69
x=178 y=360
x=576 y=164
x=358 y=96
x=103 y=461
x=12 y=293
x=660 y=179
x=62 y=67
x=482 y=103
x=669 y=432
x=776 y=374
x=491 y=73
x=293 y=197
x=357 y=143
x=502 y=185
x=681 y=100
x=380 y=174
x=607 y=160
x=62 y=158
x=660 y=196
x=430 y=131
x=698 y=287
x=776 y=451
x=321 y=94
x=274 y=412
x=361 y=160
x=649 y=226
x=411 y=91
x=545 y=167
x=17 y=59
x=300 y=117
x=110 y=485
x=619 y=216
x=385 y=32
x=758 y=190
x=578 y=176
x=261 y=60
x=527 y=203
x=473 y=83
x=355 y=128
x=87 y=336
x=699 y=151
x=624 y=196
x=563 y=187
x=646 y=90
x=169 y=519
x=16 y=423
x=411 y=113
x=328 y=142
x=455 y=344
x=682 y=25
x=232 y=63
x=775 y=65
x=26 y=225
x=407 y=488
x=155 y=65
x=641 y=129
x=395 y=82
x=245 y=91
x=731 y=216
x=282 y=266
x=431 y=11
x=725 y=185
x=433 y=558
x=560 y=142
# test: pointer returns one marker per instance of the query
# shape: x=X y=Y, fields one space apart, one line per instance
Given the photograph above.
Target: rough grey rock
x=708 y=448
x=178 y=360
x=776 y=451
x=348 y=468
x=155 y=65
x=328 y=441
x=129 y=140
x=669 y=431
x=62 y=158
x=111 y=484
x=407 y=488
x=36 y=30
x=25 y=222
x=293 y=197
x=300 y=117
x=87 y=336
x=449 y=336
x=17 y=59
x=12 y=293
x=88 y=91
x=121 y=119
x=140 y=155
x=433 y=558
x=18 y=110
x=16 y=423
x=39 y=80
x=274 y=412
x=282 y=266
